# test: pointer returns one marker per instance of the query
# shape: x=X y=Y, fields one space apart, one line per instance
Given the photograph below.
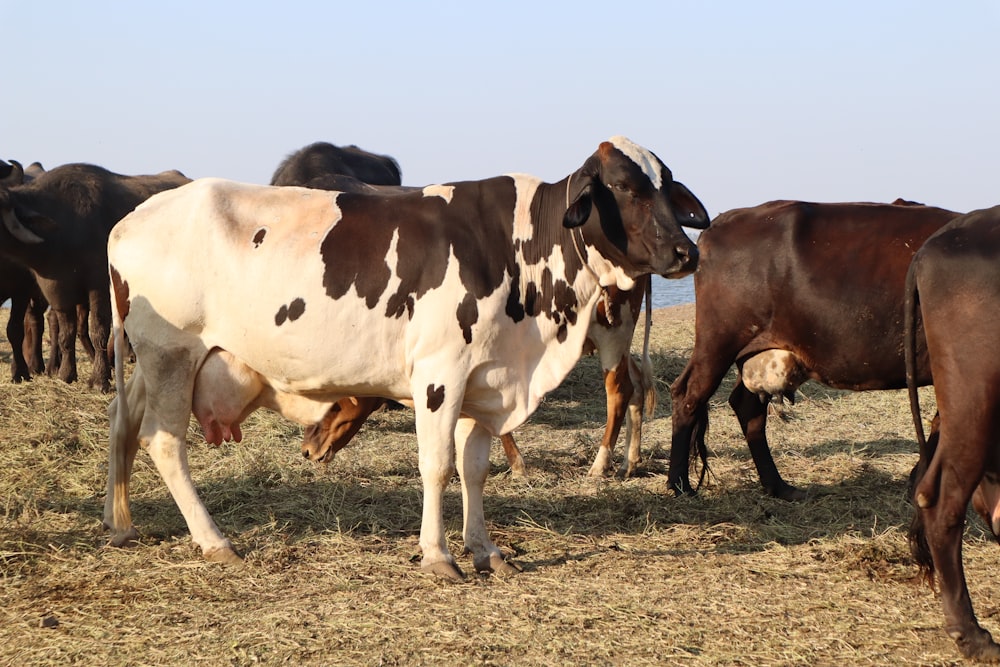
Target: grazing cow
x=57 y=225
x=346 y=417
x=314 y=165
x=953 y=287
x=629 y=388
x=814 y=288
x=469 y=301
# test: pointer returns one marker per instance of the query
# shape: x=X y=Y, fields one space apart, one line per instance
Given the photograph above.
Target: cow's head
x=640 y=208
x=322 y=440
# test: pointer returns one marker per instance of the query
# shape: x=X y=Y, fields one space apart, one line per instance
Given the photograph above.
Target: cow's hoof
x=978 y=645
x=497 y=564
x=224 y=555
x=444 y=569
x=627 y=472
x=681 y=490
x=790 y=493
x=129 y=538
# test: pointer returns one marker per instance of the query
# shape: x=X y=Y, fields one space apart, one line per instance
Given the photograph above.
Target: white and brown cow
x=468 y=301
x=629 y=390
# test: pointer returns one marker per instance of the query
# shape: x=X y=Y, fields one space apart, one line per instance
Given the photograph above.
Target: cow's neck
x=570 y=271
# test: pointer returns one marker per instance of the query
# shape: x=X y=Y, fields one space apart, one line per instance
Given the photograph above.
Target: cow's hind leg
x=513 y=454
x=164 y=425
x=752 y=415
x=168 y=450
x=472 y=450
x=34 y=330
x=16 y=335
x=944 y=525
x=62 y=360
x=642 y=402
x=942 y=495
x=618 y=389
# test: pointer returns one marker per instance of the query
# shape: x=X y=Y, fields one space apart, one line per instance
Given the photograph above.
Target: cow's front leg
x=472 y=449
x=436 y=450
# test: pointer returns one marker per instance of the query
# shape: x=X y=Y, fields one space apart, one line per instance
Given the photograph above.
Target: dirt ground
x=615 y=571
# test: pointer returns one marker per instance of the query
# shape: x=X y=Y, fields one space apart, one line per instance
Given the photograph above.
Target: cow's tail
x=118 y=413
x=651 y=396
x=927 y=495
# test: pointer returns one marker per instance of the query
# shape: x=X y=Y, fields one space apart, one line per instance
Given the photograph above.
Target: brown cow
x=954 y=286
x=822 y=283
x=342 y=422
x=628 y=386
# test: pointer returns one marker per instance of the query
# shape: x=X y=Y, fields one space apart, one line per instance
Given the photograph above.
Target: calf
x=953 y=286
x=57 y=225
x=814 y=287
x=469 y=301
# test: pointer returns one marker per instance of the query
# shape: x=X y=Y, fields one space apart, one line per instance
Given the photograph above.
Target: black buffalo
x=57 y=226
x=316 y=164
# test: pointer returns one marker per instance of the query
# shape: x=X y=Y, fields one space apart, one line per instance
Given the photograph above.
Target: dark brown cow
x=954 y=287
x=817 y=289
x=313 y=166
x=57 y=225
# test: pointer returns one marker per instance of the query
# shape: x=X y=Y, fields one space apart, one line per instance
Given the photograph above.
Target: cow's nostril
x=689 y=253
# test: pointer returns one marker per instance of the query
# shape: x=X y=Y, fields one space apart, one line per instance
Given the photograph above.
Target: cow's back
x=431 y=289
x=824 y=281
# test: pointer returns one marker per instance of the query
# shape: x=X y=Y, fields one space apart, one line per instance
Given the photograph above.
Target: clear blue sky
x=746 y=101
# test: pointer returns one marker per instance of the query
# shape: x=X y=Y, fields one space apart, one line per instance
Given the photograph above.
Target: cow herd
x=337 y=289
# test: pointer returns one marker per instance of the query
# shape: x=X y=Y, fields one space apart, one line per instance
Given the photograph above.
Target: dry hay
x=616 y=572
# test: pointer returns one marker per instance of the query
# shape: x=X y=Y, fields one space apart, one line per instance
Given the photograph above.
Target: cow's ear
x=687 y=209
x=579 y=209
x=579 y=199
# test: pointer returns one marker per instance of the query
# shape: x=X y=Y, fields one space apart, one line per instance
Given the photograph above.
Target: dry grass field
x=615 y=572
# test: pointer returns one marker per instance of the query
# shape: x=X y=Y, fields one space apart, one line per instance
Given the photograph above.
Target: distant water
x=665 y=292
x=672 y=292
